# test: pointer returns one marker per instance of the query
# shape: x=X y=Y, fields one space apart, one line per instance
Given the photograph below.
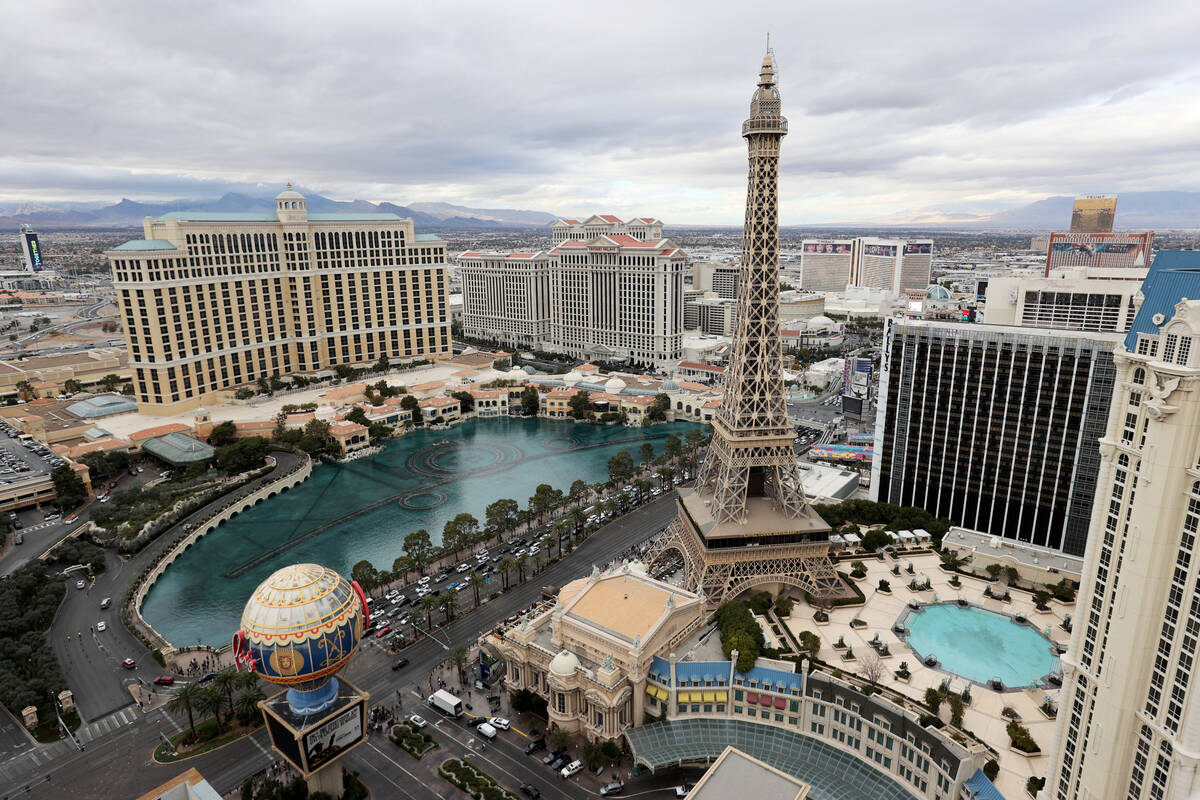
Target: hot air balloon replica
x=299 y=628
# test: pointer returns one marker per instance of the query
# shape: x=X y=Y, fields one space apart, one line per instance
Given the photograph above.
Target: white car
x=499 y=723
x=572 y=768
x=683 y=789
x=418 y=721
x=101 y=627
x=424 y=580
x=80 y=584
x=463 y=567
x=392 y=593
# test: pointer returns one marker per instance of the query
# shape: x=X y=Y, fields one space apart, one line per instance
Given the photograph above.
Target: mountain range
x=129 y=213
x=1135 y=211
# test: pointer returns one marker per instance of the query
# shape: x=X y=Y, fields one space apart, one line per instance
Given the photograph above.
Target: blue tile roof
x=1174 y=275
x=773 y=678
x=146 y=244
x=702 y=671
x=981 y=788
x=662 y=668
x=426 y=237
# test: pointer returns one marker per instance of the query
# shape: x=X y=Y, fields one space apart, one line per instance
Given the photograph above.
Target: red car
x=129 y=663
x=164 y=680
x=382 y=632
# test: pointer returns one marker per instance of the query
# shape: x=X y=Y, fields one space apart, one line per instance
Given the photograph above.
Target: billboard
x=1094 y=213
x=918 y=249
x=842 y=452
x=888 y=250
x=31 y=251
x=838 y=248
x=857 y=375
x=328 y=740
x=852 y=408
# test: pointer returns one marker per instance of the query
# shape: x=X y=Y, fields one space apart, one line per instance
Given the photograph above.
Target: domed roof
x=565 y=663
x=669 y=385
x=301 y=625
x=517 y=374
x=574 y=376
x=289 y=194
x=325 y=412
x=821 y=321
x=614 y=385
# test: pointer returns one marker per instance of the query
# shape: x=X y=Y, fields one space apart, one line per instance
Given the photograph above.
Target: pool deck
x=982 y=717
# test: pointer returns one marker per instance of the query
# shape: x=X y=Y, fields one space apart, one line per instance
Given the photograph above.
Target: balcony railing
x=765 y=125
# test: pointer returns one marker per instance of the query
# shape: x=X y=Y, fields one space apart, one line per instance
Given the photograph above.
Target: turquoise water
x=981 y=645
x=419 y=481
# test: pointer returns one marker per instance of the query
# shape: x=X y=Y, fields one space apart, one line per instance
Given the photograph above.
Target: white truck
x=446 y=703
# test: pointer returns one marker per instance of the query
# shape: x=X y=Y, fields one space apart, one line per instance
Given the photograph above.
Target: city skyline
x=398 y=110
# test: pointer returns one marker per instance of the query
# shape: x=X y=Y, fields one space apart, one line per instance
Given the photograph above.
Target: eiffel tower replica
x=747 y=522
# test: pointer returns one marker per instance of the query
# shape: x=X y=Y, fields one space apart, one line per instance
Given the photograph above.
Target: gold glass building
x=215 y=301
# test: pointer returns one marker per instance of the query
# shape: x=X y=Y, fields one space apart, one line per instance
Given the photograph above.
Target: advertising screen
x=917 y=249
x=888 y=250
x=33 y=251
x=326 y=741
x=852 y=407
x=827 y=247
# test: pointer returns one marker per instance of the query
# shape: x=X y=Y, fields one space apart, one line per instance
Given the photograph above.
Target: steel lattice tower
x=747 y=521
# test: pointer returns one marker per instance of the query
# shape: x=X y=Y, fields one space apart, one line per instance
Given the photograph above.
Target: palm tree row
x=230 y=691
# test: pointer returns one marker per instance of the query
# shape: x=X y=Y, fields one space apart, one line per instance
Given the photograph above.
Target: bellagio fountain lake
x=363 y=509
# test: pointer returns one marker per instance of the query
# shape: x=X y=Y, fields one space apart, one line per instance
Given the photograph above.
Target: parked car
x=530 y=791
x=611 y=788
x=485 y=729
x=164 y=680
x=560 y=761
x=463 y=567
x=683 y=789
x=572 y=768
x=101 y=626
x=384 y=631
x=80 y=584
x=441 y=577
x=534 y=746
x=128 y=663
x=499 y=723
x=417 y=720
x=551 y=756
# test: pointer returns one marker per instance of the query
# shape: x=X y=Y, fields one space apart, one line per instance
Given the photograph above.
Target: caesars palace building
x=213 y=300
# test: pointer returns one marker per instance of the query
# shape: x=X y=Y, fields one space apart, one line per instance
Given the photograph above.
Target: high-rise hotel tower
x=214 y=301
x=1129 y=716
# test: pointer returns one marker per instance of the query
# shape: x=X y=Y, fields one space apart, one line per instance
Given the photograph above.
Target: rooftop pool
x=981 y=645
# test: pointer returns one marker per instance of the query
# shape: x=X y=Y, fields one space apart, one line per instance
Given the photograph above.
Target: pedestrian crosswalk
x=38 y=758
x=107 y=724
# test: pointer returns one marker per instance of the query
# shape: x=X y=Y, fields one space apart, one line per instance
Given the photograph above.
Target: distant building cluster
x=607 y=291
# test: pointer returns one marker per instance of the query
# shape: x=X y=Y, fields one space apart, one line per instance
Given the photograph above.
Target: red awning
x=764 y=700
x=751 y=697
x=780 y=703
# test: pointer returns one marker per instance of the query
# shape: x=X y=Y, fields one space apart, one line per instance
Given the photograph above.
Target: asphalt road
x=117 y=764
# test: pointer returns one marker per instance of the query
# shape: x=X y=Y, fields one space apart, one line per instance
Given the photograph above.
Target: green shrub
x=1019 y=737
x=991 y=769
x=1035 y=785
x=884 y=586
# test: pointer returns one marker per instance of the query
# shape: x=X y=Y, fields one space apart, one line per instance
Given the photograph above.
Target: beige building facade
x=215 y=301
x=1129 y=719
x=589 y=653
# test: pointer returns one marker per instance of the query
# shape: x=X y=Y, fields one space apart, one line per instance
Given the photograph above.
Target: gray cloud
x=629 y=107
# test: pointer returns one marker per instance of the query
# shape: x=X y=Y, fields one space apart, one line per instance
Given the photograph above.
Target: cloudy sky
x=897 y=109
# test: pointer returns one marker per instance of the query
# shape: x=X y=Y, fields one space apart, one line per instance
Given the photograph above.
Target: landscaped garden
x=473 y=780
x=412 y=739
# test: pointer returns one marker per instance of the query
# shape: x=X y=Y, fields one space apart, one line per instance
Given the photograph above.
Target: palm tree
x=506 y=565
x=225 y=683
x=475 y=578
x=576 y=517
x=458 y=657
x=186 y=700
x=247 y=705
x=211 y=702
x=522 y=563
x=449 y=603
x=429 y=604
x=561 y=531
x=665 y=475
